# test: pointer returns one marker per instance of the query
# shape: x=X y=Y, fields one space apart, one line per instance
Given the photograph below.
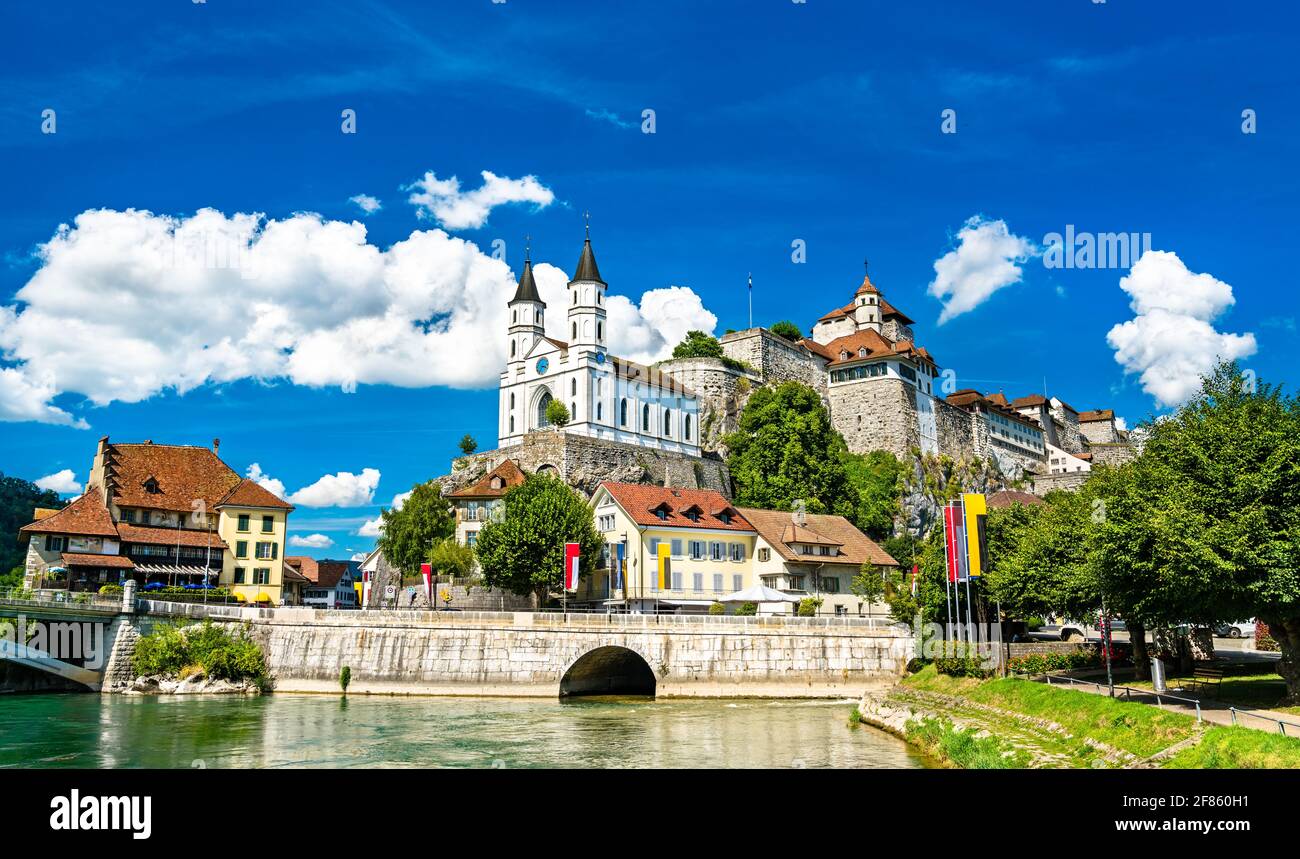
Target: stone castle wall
x=876 y=414
x=1112 y=454
x=722 y=392
x=1100 y=432
x=1041 y=484
x=960 y=434
x=895 y=330
x=585 y=463
x=1070 y=439
x=775 y=359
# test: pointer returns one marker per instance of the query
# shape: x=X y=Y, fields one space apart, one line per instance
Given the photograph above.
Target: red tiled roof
x=1026 y=402
x=250 y=493
x=325 y=574
x=867 y=286
x=999 y=398
x=511 y=476
x=1007 y=497
x=816 y=348
x=639 y=500
x=183 y=474
x=81 y=559
x=1097 y=415
x=887 y=310
x=877 y=346
x=291 y=573
x=802 y=534
x=86 y=516
x=168 y=536
x=856 y=548
x=968 y=397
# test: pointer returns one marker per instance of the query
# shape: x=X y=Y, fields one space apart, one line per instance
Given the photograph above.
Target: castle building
x=607 y=397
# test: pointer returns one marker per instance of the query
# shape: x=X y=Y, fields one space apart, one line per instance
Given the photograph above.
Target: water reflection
x=361 y=731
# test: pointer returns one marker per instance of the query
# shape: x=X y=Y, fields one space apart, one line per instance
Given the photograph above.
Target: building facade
x=607 y=397
x=477 y=504
x=163 y=515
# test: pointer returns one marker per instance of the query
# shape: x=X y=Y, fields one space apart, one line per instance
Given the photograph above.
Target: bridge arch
x=608 y=670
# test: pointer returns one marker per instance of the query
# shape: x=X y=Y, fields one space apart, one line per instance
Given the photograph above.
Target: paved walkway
x=1214 y=712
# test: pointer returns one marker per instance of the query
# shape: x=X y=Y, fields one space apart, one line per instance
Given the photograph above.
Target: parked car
x=1240 y=629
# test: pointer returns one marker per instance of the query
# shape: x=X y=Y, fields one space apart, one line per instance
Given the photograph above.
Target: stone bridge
x=65 y=642
x=503 y=653
x=547 y=655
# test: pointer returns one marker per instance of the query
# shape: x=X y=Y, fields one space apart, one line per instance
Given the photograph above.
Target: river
x=285 y=730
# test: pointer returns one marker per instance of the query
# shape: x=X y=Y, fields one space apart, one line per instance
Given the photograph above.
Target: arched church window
x=573 y=387
x=622 y=412
x=512 y=348
x=575 y=296
x=514 y=316
x=573 y=411
x=599 y=411
x=600 y=331
x=687 y=433
x=512 y=399
x=575 y=331
x=542 y=403
x=668 y=422
x=512 y=424
x=645 y=418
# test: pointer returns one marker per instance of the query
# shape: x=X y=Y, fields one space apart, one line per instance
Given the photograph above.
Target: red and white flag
x=572 y=552
x=365 y=588
x=426 y=570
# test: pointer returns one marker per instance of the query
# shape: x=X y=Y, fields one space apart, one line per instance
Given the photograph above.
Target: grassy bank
x=1014 y=723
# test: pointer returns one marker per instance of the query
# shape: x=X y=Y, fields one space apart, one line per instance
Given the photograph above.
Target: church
x=607 y=397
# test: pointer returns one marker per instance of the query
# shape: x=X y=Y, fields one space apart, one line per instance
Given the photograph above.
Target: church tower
x=527 y=314
x=587 y=302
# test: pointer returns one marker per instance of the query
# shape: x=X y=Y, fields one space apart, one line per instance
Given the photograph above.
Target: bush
x=808 y=606
x=173 y=649
x=787 y=329
x=1034 y=623
x=110 y=590
x=963 y=666
x=345 y=677
x=1042 y=663
x=717 y=608
x=747 y=609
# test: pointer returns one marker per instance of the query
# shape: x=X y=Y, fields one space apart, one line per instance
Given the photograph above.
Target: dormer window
x=844 y=355
x=862 y=351
x=724 y=517
x=151 y=486
x=497 y=482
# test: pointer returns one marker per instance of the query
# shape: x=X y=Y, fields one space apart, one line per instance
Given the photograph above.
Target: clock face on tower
x=600 y=357
x=543 y=365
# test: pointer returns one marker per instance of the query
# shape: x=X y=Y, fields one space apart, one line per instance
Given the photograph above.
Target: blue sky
x=775 y=122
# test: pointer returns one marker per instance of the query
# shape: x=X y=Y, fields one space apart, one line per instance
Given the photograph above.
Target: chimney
x=216 y=445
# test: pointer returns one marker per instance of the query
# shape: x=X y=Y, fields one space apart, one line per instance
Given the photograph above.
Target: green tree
x=698 y=344
x=1040 y=560
x=877 y=480
x=1205 y=527
x=931 y=583
x=449 y=558
x=787 y=329
x=868 y=585
x=410 y=534
x=18 y=502
x=557 y=413
x=524 y=552
x=468 y=444
x=786 y=450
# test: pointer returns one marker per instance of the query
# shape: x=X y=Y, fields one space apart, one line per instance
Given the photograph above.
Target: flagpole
x=947 y=585
x=751 y=299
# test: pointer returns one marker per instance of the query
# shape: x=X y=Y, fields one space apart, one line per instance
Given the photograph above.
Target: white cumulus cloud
x=444 y=201
x=1171 y=341
x=323 y=308
x=375 y=527
x=311 y=541
x=366 y=203
x=987 y=258
x=63 y=482
x=343 y=489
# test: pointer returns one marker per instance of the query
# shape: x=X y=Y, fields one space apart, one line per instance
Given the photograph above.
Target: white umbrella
x=759 y=594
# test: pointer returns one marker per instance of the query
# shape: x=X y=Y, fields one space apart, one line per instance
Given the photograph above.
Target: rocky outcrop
x=196 y=684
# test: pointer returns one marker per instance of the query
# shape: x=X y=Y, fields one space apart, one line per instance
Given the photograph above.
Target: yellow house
x=709 y=546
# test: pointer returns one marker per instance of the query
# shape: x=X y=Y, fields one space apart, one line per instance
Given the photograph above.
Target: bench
x=1206 y=674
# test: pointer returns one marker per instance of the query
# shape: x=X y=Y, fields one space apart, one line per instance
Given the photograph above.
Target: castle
x=664 y=424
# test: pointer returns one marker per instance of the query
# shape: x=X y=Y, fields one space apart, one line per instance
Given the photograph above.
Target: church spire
x=587 y=270
x=527 y=290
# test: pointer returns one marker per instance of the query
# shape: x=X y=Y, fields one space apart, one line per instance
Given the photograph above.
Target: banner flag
x=916 y=569
x=618 y=566
x=365 y=588
x=426 y=570
x=572 y=555
x=959 y=525
x=976 y=542
x=665 y=573
x=950 y=540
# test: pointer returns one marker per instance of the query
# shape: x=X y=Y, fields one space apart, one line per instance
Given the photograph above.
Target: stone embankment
x=194 y=685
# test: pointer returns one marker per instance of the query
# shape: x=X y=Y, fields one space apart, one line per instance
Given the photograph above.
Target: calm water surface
x=284 y=730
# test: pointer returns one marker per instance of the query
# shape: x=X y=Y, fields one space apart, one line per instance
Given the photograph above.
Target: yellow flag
x=976 y=511
x=665 y=574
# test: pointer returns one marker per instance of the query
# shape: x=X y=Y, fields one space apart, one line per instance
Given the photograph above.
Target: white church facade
x=607 y=397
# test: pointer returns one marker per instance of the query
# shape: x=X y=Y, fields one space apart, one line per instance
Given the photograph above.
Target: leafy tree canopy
x=698 y=344
x=410 y=534
x=877 y=480
x=786 y=450
x=468 y=444
x=524 y=552
x=787 y=329
x=557 y=413
x=18 y=500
